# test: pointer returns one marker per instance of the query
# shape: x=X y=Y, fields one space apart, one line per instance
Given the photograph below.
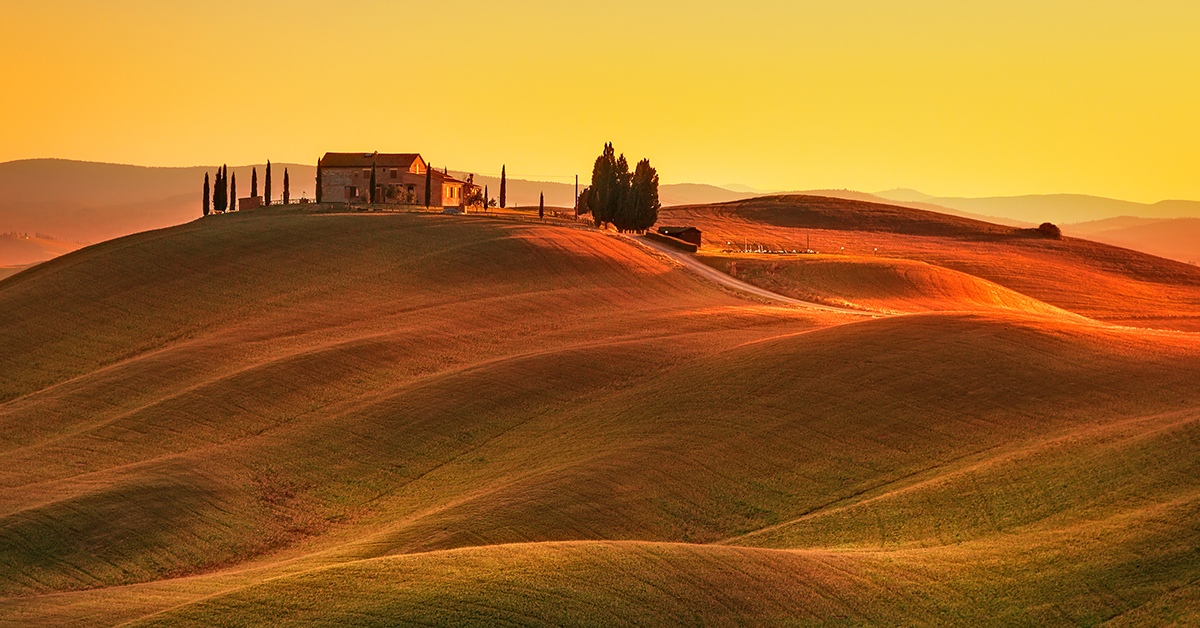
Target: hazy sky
x=953 y=97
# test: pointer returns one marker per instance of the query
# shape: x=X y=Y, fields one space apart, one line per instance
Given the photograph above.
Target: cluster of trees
x=223 y=191
x=626 y=200
x=220 y=191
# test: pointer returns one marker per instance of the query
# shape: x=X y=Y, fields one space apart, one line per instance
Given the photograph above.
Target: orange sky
x=949 y=97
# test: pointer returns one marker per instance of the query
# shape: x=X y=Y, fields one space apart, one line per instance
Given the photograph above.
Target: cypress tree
x=643 y=194
x=485 y=198
x=371 y=195
x=541 y=206
x=267 y=185
x=503 y=188
x=219 y=192
x=604 y=189
x=233 y=192
x=428 y=185
x=225 y=204
x=287 y=193
x=318 y=180
x=627 y=200
x=254 y=182
x=206 y=207
x=622 y=211
x=584 y=202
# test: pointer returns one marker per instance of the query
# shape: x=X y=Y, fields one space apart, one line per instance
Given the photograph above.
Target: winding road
x=723 y=279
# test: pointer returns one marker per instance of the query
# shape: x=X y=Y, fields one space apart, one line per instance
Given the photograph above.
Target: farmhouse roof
x=445 y=178
x=364 y=160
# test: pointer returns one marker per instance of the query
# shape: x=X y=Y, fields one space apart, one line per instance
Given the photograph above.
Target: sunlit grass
x=380 y=419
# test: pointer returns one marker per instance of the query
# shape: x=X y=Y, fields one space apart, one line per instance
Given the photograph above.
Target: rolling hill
x=416 y=419
x=1057 y=208
x=1087 y=278
x=1172 y=238
x=92 y=202
x=19 y=249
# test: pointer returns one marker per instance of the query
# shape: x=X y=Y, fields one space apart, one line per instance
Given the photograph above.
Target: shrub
x=1050 y=230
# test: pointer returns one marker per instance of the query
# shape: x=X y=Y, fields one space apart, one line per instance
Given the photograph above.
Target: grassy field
x=1095 y=280
x=416 y=419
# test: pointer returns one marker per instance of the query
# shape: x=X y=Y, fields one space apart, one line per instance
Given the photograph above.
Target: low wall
x=674 y=242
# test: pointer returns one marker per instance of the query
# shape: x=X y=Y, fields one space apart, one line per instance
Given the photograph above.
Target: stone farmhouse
x=399 y=179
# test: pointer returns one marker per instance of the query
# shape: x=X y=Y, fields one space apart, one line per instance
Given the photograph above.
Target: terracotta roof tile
x=364 y=160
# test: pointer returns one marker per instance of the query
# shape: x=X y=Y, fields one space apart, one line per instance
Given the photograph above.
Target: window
x=367 y=174
x=395 y=173
x=351 y=192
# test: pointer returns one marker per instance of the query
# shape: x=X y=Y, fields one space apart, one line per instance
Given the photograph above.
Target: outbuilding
x=687 y=234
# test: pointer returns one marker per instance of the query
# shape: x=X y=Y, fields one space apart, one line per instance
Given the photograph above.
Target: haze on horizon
x=952 y=98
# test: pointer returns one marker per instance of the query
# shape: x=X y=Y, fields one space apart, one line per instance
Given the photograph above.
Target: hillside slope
x=1177 y=238
x=422 y=419
x=1091 y=279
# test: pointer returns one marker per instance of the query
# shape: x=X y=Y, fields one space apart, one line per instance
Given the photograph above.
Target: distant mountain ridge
x=1056 y=208
x=91 y=202
x=1172 y=238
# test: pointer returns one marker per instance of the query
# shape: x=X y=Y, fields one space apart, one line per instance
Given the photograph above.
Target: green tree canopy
x=628 y=201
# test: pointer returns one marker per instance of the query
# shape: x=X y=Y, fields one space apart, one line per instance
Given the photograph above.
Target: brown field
x=18 y=252
x=417 y=419
x=1099 y=281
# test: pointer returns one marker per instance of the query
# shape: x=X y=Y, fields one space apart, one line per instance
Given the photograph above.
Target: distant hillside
x=904 y=194
x=1084 y=229
x=9 y=271
x=851 y=195
x=525 y=193
x=1085 y=277
x=1177 y=238
x=93 y=202
x=21 y=249
x=1056 y=208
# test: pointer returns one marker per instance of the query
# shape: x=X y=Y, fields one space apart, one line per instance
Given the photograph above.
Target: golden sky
x=952 y=97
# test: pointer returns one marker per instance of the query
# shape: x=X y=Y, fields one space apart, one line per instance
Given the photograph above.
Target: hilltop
x=380 y=419
x=91 y=202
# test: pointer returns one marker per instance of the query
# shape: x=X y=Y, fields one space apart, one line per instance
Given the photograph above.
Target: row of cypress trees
x=224 y=189
x=626 y=200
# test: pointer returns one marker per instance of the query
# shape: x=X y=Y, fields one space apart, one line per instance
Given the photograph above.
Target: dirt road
x=723 y=279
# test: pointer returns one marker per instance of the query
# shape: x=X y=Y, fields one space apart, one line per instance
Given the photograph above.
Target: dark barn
x=687 y=234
